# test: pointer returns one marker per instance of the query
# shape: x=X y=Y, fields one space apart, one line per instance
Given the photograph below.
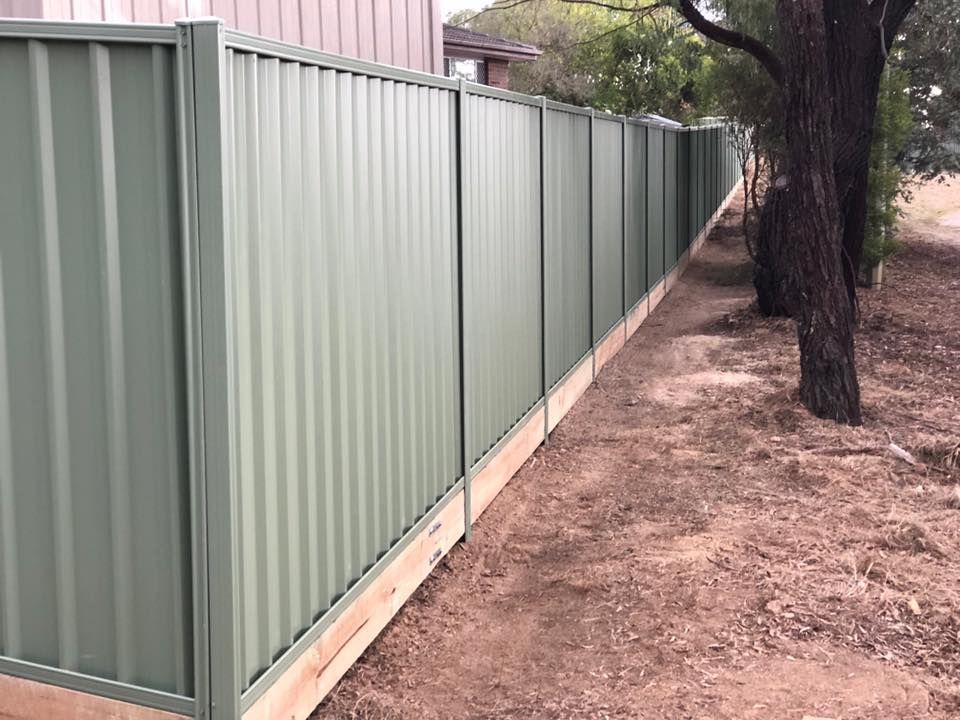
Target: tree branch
x=892 y=15
x=764 y=55
x=629 y=7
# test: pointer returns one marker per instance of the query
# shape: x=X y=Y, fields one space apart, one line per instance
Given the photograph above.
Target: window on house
x=466 y=68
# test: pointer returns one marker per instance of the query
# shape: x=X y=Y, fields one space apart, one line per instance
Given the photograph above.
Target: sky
x=450 y=6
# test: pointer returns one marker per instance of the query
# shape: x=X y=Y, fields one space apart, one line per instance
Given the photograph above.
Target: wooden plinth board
x=672 y=277
x=610 y=344
x=657 y=293
x=22 y=699
x=637 y=315
x=565 y=395
x=494 y=476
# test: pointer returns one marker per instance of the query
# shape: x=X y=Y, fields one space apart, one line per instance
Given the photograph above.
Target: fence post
x=663 y=205
x=466 y=461
x=681 y=211
x=646 y=214
x=544 y=381
x=593 y=222
x=202 y=124
x=623 y=221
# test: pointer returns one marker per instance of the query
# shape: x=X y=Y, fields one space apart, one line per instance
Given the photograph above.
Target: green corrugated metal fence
x=94 y=528
x=501 y=261
x=262 y=311
x=670 y=187
x=636 y=224
x=566 y=237
x=608 y=201
x=656 y=198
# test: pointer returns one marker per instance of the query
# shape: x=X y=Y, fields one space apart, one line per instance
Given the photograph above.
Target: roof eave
x=452 y=48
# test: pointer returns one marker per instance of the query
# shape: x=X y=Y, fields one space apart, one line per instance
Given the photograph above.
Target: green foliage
x=734 y=85
x=891 y=131
x=930 y=54
x=622 y=62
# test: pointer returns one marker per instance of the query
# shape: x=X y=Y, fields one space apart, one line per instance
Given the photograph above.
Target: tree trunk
x=856 y=59
x=767 y=273
x=811 y=252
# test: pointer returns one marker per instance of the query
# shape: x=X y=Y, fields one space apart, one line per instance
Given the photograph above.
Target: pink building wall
x=407 y=33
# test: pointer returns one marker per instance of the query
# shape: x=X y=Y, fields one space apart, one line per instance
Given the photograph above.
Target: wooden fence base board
x=565 y=396
x=22 y=699
x=610 y=345
x=672 y=277
x=298 y=691
x=657 y=293
x=494 y=476
x=636 y=317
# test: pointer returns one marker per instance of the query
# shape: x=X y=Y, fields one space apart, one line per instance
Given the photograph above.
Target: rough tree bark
x=813 y=275
x=856 y=61
x=767 y=276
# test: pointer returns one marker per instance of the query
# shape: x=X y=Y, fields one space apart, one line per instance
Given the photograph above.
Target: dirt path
x=693 y=545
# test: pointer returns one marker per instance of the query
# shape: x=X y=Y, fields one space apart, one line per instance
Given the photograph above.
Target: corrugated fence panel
x=702 y=175
x=94 y=532
x=691 y=206
x=501 y=283
x=636 y=226
x=342 y=266
x=670 y=225
x=567 y=241
x=607 y=225
x=683 y=191
x=655 y=199
x=714 y=169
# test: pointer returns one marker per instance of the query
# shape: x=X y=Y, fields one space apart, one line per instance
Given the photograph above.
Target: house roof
x=461 y=40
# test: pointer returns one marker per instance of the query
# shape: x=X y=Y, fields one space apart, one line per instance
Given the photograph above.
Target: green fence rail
x=262 y=310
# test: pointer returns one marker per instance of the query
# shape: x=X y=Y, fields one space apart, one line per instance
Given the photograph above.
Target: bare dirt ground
x=693 y=544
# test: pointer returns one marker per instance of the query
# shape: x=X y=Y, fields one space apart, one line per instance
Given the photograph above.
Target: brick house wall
x=498 y=73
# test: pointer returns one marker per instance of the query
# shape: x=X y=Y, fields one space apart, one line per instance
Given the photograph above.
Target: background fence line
x=294 y=318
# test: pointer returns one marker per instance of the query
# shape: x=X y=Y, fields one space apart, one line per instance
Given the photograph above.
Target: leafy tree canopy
x=930 y=57
x=618 y=61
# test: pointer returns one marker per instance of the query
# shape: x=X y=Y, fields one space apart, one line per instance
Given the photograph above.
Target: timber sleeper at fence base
x=610 y=345
x=494 y=476
x=565 y=394
x=637 y=315
x=672 y=277
x=22 y=699
x=657 y=293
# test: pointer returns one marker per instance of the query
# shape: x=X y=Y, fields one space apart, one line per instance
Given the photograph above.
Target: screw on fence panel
x=466 y=462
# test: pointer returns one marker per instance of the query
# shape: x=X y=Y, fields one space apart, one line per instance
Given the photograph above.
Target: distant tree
x=930 y=56
x=598 y=57
x=891 y=131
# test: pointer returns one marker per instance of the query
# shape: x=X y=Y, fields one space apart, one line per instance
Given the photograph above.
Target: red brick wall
x=497 y=73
